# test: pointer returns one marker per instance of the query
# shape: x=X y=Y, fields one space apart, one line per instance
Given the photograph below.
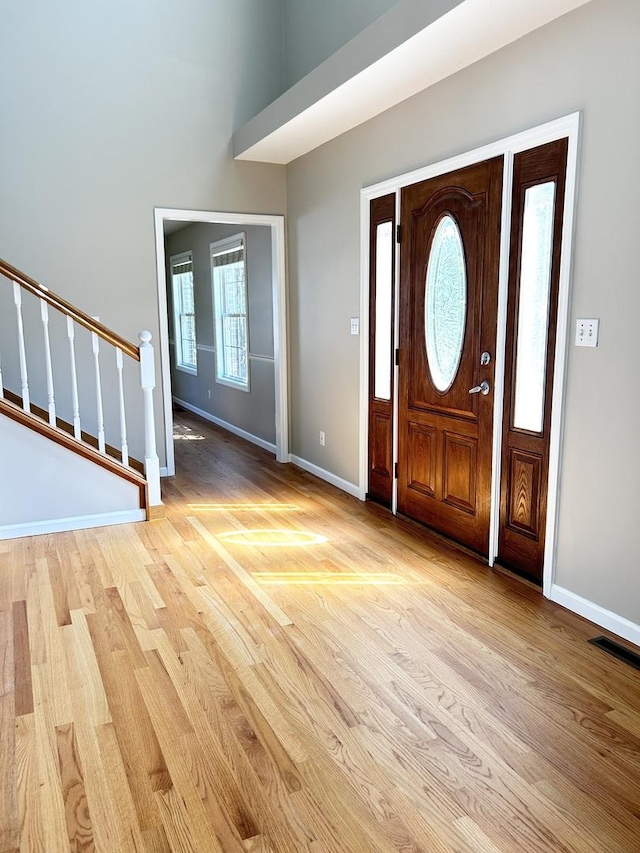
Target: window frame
x=216 y=248
x=176 y=300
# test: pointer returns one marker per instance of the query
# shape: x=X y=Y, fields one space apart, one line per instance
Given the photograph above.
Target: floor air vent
x=617 y=651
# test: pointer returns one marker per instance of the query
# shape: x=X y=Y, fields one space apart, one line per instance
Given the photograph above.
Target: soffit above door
x=409 y=48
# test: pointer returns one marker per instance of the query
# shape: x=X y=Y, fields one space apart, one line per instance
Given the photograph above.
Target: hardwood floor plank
x=165 y=688
x=22 y=660
x=77 y=814
x=9 y=820
x=32 y=832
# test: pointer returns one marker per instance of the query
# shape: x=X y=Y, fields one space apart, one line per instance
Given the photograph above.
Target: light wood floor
x=277 y=667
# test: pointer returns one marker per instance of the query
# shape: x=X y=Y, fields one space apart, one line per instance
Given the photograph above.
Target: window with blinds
x=184 y=312
x=229 y=276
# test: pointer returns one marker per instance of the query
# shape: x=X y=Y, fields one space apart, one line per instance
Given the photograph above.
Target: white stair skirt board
x=594 y=613
x=45 y=487
x=327 y=476
x=254 y=439
x=80 y=522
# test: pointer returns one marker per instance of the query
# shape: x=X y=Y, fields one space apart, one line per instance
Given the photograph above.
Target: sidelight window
x=533 y=308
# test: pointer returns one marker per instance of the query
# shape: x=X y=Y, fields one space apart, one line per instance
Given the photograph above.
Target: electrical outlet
x=355 y=325
x=587 y=333
x=322 y=439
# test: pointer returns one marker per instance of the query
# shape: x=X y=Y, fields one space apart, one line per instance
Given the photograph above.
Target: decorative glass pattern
x=445 y=309
x=384 y=283
x=533 y=309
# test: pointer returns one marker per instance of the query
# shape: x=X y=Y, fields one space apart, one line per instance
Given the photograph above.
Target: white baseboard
x=78 y=522
x=594 y=613
x=254 y=439
x=327 y=476
x=164 y=472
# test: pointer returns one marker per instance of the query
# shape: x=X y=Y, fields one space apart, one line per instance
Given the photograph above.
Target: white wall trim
x=248 y=436
x=78 y=522
x=594 y=613
x=280 y=328
x=253 y=356
x=561 y=357
x=566 y=126
x=500 y=354
x=327 y=476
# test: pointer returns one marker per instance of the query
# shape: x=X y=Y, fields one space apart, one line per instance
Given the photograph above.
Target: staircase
x=69 y=389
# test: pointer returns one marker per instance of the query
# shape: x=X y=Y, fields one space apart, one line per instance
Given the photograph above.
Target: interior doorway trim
x=280 y=341
x=567 y=126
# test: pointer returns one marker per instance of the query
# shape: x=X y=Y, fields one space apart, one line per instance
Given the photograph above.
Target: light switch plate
x=587 y=332
x=355 y=325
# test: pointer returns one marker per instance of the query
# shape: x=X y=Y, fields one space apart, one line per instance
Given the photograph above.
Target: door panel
x=381 y=362
x=445 y=433
x=536 y=231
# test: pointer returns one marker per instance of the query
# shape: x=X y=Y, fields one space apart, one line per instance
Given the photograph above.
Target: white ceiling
x=317 y=109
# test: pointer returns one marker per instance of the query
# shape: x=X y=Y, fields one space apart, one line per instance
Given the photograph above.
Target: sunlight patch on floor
x=331 y=578
x=185 y=433
x=272 y=538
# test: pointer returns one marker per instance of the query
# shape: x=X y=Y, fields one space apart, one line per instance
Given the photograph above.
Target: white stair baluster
x=51 y=400
x=148 y=383
x=95 y=341
x=1 y=383
x=123 y=417
x=75 y=402
x=17 y=299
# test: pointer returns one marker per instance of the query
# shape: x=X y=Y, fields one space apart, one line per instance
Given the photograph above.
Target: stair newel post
x=51 y=400
x=24 y=380
x=123 y=416
x=75 y=400
x=148 y=383
x=95 y=343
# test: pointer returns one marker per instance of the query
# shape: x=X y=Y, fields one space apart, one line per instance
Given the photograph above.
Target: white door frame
x=567 y=126
x=280 y=341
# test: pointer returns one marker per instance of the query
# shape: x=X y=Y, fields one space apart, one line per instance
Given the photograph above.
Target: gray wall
x=313 y=30
x=110 y=109
x=588 y=60
x=253 y=411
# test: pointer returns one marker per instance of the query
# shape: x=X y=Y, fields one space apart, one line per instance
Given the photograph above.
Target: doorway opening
x=222 y=318
x=434 y=445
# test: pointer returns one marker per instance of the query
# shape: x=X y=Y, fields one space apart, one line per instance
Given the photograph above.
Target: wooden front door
x=449 y=266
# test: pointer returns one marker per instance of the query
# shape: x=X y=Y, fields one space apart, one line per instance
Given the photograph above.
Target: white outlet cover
x=587 y=332
x=355 y=325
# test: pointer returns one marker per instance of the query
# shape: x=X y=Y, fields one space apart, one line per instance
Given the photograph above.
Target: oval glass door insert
x=445 y=304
